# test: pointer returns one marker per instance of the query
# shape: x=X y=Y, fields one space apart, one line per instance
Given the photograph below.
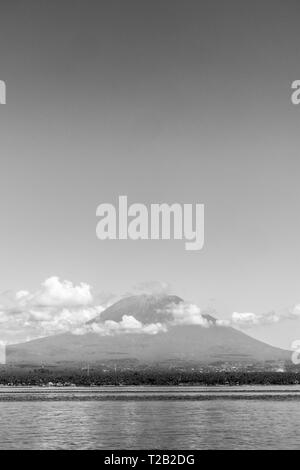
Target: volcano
x=179 y=343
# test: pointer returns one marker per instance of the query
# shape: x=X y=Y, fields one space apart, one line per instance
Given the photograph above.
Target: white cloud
x=185 y=313
x=128 y=324
x=57 y=306
x=244 y=319
x=154 y=328
x=56 y=293
x=250 y=319
x=295 y=311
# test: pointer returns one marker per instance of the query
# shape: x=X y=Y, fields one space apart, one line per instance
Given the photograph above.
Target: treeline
x=147 y=377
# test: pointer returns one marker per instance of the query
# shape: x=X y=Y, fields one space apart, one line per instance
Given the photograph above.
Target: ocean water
x=151 y=418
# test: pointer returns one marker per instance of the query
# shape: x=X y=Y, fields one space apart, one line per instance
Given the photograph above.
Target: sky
x=162 y=101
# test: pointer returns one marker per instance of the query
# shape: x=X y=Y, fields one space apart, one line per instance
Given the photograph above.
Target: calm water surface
x=151 y=418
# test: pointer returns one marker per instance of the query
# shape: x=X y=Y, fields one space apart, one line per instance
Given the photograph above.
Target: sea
x=196 y=418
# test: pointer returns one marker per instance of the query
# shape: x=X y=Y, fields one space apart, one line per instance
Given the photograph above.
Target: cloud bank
x=56 y=293
x=59 y=306
x=56 y=307
x=247 y=320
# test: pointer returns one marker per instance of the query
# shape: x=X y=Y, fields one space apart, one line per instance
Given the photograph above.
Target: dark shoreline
x=150 y=393
x=152 y=398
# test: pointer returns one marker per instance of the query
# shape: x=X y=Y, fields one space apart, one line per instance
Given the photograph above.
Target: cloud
x=57 y=306
x=60 y=306
x=295 y=311
x=128 y=324
x=57 y=321
x=56 y=293
x=185 y=313
x=250 y=319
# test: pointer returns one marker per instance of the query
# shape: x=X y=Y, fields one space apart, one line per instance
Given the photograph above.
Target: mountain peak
x=145 y=308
